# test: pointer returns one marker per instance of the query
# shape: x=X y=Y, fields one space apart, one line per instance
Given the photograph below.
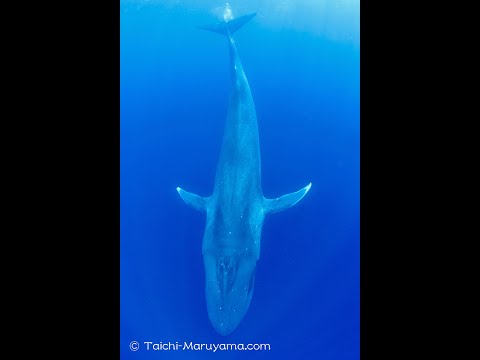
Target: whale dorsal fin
x=193 y=200
x=286 y=201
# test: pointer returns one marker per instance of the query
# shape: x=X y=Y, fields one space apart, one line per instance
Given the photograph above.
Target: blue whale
x=237 y=208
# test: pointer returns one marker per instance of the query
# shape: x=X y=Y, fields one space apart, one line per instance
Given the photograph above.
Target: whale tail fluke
x=286 y=201
x=228 y=28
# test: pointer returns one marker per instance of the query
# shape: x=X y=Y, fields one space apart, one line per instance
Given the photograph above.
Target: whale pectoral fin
x=286 y=201
x=195 y=201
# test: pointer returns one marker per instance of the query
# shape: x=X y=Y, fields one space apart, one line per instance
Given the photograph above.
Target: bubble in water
x=227 y=13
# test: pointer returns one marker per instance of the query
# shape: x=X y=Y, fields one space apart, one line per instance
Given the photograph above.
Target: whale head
x=230 y=277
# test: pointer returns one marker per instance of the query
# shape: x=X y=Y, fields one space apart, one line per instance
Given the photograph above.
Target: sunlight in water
x=336 y=20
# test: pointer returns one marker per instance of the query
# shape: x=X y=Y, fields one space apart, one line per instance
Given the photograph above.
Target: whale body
x=236 y=209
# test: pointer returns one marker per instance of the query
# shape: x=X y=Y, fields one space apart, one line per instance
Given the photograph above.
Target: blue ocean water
x=301 y=58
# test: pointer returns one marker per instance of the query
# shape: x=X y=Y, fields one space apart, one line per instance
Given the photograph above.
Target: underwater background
x=302 y=61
